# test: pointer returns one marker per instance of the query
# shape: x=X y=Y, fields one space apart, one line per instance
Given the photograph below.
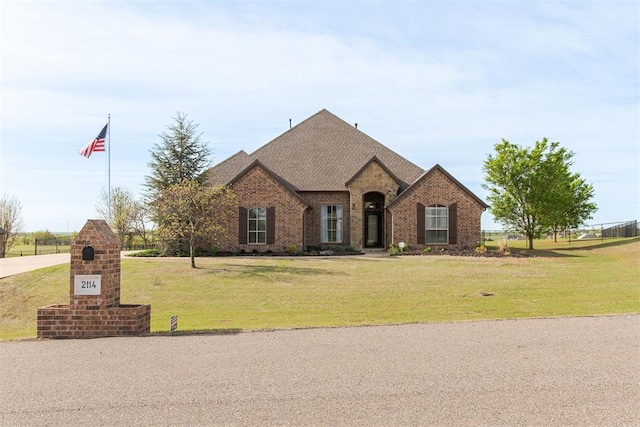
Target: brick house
x=324 y=182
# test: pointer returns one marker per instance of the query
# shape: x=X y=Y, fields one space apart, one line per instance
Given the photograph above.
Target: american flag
x=96 y=145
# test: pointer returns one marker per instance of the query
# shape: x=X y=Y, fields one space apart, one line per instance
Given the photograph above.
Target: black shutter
x=453 y=224
x=243 y=223
x=271 y=225
x=420 y=221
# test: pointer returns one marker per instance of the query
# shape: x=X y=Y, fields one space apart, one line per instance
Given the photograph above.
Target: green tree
x=533 y=191
x=181 y=154
x=11 y=222
x=572 y=206
x=194 y=213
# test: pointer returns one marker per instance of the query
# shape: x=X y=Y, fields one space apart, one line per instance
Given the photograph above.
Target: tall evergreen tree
x=181 y=154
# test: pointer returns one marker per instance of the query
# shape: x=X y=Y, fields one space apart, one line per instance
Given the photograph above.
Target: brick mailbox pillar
x=94 y=308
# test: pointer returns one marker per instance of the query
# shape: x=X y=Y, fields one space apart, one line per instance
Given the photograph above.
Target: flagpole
x=109 y=162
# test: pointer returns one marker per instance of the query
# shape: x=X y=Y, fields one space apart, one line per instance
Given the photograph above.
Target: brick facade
x=313 y=215
x=298 y=215
x=257 y=188
x=436 y=187
x=326 y=161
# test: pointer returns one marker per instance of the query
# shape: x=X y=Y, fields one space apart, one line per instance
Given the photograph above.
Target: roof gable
x=431 y=171
x=374 y=159
x=285 y=184
x=227 y=170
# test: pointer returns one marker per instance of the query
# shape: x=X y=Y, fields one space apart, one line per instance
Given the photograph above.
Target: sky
x=438 y=82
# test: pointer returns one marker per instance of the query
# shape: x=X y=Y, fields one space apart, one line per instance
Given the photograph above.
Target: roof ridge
x=293 y=128
x=232 y=157
x=323 y=152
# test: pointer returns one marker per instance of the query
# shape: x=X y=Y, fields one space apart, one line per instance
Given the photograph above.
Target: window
x=437 y=224
x=331 y=224
x=257 y=225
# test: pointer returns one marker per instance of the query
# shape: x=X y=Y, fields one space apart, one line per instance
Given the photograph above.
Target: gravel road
x=565 y=371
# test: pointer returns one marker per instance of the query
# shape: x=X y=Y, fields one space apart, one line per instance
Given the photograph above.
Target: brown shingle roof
x=321 y=153
x=224 y=172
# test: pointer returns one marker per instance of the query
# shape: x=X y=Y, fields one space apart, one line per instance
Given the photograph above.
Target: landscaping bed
x=468 y=252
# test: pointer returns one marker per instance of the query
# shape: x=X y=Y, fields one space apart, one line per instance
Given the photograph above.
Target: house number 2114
x=87 y=284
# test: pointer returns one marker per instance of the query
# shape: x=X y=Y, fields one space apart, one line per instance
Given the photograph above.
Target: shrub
x=426 y=250
x=292 y=249
x=397 y=248
x=339 y=249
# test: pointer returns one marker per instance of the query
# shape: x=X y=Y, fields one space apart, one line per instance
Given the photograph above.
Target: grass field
x=28 y=250
x=248 y=293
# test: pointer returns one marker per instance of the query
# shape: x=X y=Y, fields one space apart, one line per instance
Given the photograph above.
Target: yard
x=255 y=293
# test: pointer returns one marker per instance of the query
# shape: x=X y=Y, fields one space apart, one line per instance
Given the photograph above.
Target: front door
x=373 y=204
x=373 y=229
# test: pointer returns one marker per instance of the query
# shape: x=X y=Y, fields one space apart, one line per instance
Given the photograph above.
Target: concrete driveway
x=17 y=265
x=551 y=372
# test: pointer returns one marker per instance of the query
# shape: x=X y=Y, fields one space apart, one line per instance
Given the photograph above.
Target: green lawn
x=27 y=250
x=248 y=293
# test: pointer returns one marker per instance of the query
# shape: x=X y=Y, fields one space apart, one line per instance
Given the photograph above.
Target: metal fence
x=608 y=230
x=51 y=245
x=41 y=246
x=628 y=229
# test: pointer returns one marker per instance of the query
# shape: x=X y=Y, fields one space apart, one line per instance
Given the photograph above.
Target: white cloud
x=438 y=82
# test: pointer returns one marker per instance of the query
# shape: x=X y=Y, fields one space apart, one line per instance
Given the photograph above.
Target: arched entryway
x=373 y=220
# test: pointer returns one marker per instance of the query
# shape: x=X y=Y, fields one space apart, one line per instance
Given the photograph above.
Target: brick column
x=105 y=264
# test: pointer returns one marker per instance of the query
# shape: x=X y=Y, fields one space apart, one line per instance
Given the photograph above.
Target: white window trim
x=324 y=231
x=427 y=229
x=257 y=233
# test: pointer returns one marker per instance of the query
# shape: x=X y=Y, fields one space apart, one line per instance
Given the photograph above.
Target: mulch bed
x=467 y=252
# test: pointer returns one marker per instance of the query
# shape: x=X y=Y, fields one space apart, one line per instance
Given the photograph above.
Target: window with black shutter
x=271 y=226
x=243 y=222
x=453 y=223
x=421 y=229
